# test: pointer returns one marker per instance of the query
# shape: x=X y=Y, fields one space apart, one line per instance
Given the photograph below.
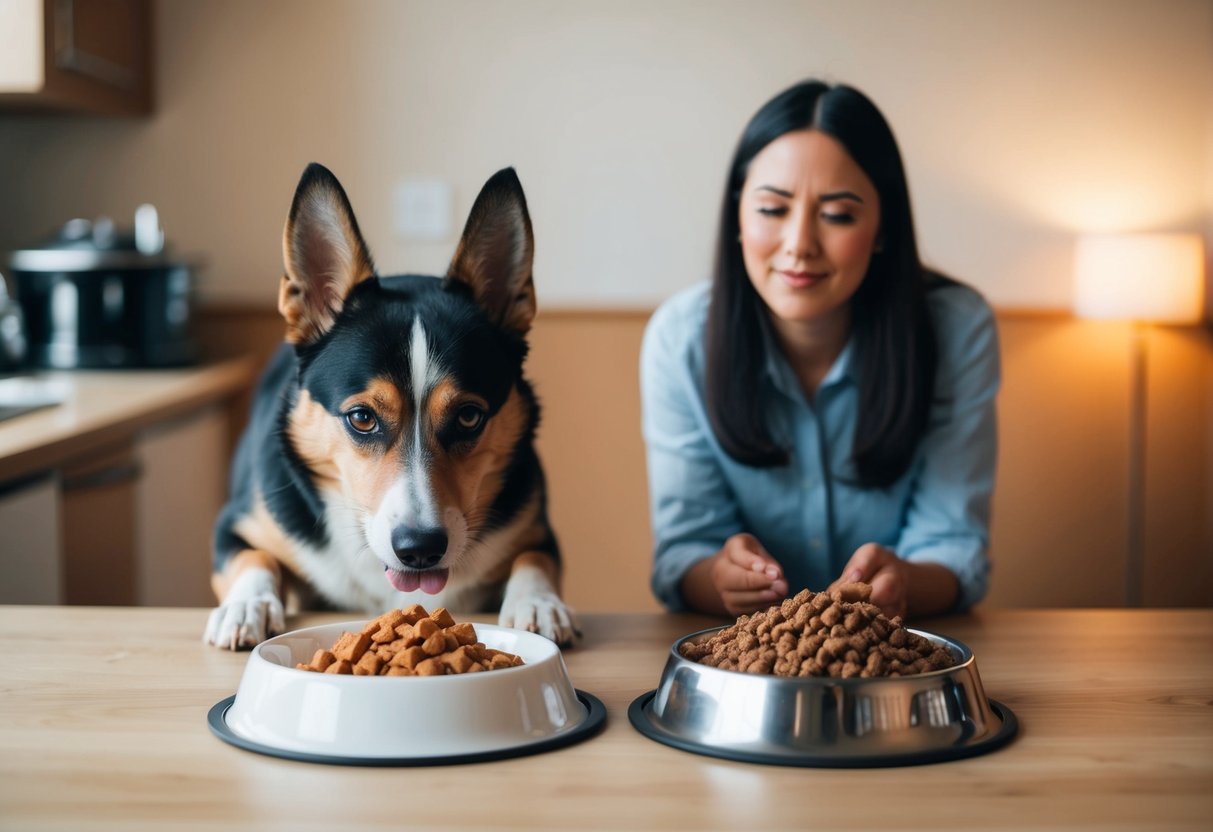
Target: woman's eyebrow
x=831 y=196
x=840 y=195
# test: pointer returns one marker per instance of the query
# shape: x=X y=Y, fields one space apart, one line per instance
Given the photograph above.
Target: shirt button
x=815 y=543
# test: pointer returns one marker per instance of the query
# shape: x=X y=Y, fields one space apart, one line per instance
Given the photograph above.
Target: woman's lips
x=802 y=280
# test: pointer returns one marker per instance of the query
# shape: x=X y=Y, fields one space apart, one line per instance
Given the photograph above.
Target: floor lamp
x=1146 y=279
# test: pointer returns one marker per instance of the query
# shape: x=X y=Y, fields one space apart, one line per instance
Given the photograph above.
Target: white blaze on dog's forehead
x=424 y=374
x=423 y=369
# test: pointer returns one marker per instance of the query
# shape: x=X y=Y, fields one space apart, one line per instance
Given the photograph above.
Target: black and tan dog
x=390 y=458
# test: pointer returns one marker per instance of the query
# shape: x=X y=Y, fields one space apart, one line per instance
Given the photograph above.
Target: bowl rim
x=965 y=659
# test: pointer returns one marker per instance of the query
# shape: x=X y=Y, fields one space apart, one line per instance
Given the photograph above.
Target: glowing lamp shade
x=1144 y=277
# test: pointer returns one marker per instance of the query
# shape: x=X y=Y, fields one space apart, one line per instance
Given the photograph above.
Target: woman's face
x=809 y=219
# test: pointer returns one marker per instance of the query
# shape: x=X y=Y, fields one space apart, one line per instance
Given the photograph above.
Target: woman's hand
x=888 y=574
x=900 y=587
x=740 y=578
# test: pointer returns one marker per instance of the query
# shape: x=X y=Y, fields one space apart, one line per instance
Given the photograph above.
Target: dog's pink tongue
x=403 y=581
x=433 y=580
x=430 y=581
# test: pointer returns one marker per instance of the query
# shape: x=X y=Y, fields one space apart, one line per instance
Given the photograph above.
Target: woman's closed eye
x=838 y=218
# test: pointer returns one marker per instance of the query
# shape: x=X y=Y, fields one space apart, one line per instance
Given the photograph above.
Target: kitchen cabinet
x=30 y=541
x=181 y=488
x=136 y=517
x=76 y=56
x=98 y=503
x=109 y=498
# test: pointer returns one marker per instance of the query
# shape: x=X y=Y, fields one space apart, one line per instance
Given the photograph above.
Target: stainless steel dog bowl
x=824 y=722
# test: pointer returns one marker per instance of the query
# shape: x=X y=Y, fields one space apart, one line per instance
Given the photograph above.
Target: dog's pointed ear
x=324 y=255
x=496 y=251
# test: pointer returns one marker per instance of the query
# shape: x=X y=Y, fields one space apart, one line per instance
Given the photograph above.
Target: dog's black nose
x=419 y=548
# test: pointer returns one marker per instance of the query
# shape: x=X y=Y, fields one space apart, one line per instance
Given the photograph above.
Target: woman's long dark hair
x=895 y=339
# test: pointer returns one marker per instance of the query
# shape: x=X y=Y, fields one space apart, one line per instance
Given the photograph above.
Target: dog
x=389 y=458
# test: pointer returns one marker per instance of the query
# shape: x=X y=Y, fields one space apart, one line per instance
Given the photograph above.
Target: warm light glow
x=1145 y=277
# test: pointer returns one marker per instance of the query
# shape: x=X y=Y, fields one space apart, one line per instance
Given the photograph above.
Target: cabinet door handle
x=115 y=475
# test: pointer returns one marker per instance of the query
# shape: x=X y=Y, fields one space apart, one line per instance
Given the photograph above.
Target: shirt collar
x=844 y=368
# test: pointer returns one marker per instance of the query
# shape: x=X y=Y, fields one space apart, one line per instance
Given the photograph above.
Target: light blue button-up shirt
x=811 y=515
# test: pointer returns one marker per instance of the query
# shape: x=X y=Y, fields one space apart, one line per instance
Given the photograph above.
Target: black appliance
x=92 y=296
x=12 y=332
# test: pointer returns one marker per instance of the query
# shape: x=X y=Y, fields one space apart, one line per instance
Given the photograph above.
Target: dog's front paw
x=245 y=622
x=543 y=613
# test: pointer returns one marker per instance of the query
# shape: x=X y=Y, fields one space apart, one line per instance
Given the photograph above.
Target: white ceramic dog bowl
x=404 y=720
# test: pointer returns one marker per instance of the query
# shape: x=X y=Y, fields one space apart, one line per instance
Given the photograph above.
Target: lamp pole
x=1135 y=555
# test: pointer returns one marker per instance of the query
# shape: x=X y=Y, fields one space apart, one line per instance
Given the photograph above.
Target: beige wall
x=1021 y=123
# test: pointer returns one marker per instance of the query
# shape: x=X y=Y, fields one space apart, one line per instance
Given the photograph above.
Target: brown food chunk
x=351 y=646
x=442 y=618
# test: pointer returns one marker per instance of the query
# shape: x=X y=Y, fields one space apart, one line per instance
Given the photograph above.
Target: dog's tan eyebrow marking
x=384 y=397
x=441 y=398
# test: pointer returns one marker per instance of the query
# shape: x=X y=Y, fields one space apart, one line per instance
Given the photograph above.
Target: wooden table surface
x=103 y=726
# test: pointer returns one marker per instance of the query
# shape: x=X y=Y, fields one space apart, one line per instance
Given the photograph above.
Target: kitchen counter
x=103 y=726
x=103 y=406
x=109 y=497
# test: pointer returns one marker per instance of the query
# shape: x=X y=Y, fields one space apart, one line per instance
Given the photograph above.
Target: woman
x=823 y=411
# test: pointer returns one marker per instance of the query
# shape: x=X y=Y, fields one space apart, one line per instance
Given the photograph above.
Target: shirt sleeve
x=691 y=505
x=948 y=517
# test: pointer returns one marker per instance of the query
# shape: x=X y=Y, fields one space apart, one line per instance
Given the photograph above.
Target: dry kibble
x=458 y=660
x=414 y=613
x=351 y=646
x=321 y=659
x=435 y=645
x=409 y=657
x=430 y=667
x=837 y=633
x=369 y=664
x=442 y=618
x=385 y=626
x=464 y=633
x=410 y=642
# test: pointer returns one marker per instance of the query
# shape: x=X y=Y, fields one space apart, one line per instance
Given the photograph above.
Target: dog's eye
x=469 y=418
x=362 y=420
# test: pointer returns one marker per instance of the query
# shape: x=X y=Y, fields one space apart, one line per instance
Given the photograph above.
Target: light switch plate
x=422 y=209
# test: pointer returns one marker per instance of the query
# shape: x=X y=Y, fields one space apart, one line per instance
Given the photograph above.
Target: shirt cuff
x=972 y=571
x=668 y=571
